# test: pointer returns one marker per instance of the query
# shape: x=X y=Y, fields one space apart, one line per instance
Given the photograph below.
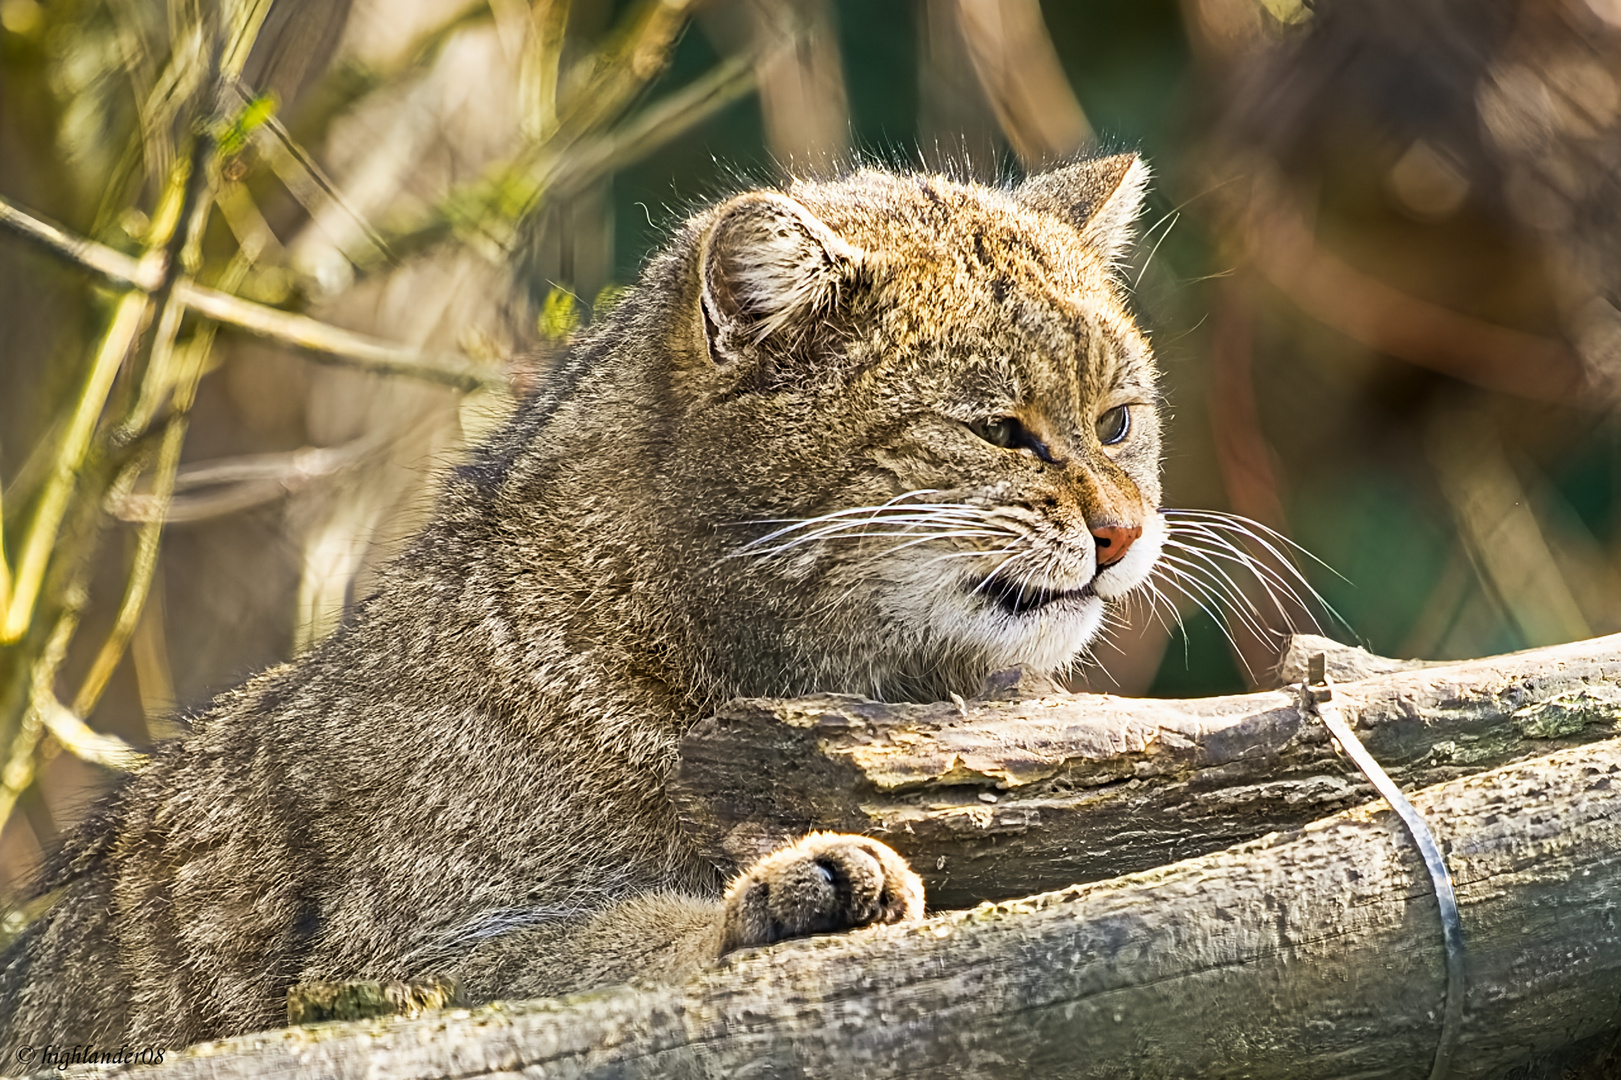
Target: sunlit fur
x=900 y=554
x=758 y=475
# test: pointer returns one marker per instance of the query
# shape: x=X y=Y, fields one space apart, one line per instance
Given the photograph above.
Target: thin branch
x=1014 y=59
x=145 y=561
x=242 y=482
x=540 y=67
x=189 y=509
x=493 y=208
x=330 y=344
x=18 y=771
x=311 y=170
x=5 y=567
x=144 y=274
x=668 y=119
x=82 y=741
x=1497 y=519
x=802 y=93
x=184 y=192
x=40 y=539
x=326 y=343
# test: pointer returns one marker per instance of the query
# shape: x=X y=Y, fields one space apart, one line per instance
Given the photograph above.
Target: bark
x=1315 y=954
x=992 y=799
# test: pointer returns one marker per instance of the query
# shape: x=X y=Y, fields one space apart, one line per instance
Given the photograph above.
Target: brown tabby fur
x=469 y=778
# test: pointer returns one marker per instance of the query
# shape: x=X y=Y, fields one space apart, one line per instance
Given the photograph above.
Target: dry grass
x=192 y=140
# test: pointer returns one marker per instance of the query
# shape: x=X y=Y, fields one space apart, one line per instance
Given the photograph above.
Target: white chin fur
x=1046 y=640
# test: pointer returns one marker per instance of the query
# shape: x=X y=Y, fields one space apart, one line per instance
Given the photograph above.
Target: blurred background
x=266 y=268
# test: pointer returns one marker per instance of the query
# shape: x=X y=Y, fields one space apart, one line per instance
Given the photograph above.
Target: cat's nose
x=1113 y=542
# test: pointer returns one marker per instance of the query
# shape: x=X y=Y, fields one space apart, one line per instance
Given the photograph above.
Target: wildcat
x=884 y=434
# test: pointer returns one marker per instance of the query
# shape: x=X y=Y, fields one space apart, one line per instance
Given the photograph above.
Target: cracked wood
x=1001 y=798
x=1315 y=954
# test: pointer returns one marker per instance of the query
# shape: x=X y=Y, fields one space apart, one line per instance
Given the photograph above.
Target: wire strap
x=1319 y=693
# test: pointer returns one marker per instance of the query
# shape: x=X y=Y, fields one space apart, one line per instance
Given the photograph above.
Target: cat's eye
x=1003 y=431
x=1009 y=434
x=1114 y=425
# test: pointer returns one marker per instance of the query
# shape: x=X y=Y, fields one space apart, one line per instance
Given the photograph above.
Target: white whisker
x=1221 y=531
x=1224 y=588
x=966 y=533
x=1198 y=594
x=1211 y=562
x=992 y=576
x=1248 y=527
x=970 y=554
x=1267 y=573
x=855 y=529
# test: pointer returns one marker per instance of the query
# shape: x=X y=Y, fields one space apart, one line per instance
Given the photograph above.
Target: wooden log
x=1345 y=663
x=1312 y=955
x=997 y=798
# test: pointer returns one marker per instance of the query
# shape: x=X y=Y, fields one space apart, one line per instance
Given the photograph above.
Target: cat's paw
x=819 y=884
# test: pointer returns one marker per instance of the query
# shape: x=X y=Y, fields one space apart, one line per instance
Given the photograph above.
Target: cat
x=884 y=434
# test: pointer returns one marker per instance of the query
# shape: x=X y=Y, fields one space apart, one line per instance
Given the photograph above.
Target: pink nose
x=1114 y=541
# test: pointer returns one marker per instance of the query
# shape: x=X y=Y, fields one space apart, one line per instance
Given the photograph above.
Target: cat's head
x=920 y=423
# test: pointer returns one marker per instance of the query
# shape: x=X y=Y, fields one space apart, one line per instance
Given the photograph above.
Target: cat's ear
x=769 y=269
x=1100 y=198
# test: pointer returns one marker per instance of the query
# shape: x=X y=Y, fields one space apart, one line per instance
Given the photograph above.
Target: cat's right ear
x=1100 y=198
x=769 y=269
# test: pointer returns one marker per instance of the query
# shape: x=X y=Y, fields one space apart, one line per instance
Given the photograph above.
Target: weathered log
x=1315 y=954
x=992 y=799
x=1345 y=663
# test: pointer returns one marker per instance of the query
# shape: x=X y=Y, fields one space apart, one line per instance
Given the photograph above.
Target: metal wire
x=1319 y=693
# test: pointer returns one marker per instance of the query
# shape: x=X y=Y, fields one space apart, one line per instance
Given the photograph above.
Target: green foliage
x=239 y=130
x=559 y=316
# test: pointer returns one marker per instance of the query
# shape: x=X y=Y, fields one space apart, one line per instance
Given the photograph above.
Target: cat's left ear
x=769 y=268
x=1100 y=198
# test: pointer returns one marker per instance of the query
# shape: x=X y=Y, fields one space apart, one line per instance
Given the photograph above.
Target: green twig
x=333 y=344
x=35 y=553
x=494 y=206
x=5 y=567
x=145 y=561
x=82 y=741
x=145 y=275
x=306 y=168
x=160 y=374
x=18 y=770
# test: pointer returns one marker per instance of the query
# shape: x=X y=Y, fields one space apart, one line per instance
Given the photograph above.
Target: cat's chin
x=983 y=623
x=1044 y=637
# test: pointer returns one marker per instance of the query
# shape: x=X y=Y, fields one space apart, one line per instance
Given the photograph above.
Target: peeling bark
x=1004 y=798
x=1315 y=954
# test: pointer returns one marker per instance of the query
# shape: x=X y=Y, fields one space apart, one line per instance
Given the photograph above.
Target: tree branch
x=1314 y=954
x=324 y=342
x=1011 y=797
